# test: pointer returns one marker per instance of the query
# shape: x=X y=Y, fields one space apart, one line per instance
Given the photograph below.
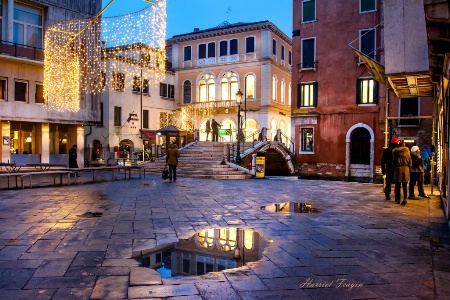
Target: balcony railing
x=214 y=104
x=22 y=51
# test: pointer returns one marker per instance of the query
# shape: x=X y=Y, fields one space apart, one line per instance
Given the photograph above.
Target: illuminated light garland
x=76 y=52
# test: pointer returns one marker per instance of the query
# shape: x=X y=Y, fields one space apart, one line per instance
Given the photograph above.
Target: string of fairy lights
x=76 y=53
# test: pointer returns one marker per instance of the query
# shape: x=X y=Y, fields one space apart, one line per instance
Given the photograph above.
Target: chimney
x=196 y=29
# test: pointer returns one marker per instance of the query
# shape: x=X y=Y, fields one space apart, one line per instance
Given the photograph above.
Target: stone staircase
x=200 y=160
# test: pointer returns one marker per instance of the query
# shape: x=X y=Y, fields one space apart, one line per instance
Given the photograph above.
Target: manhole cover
x=207 y=251
x=286 y=207
x=91 y=215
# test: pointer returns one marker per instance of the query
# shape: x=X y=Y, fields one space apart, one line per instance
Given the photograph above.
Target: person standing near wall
x=73 y=159
x=208 y=128
x=387 y=169
x=215 y=129
x=417 y=174
x=401 y=161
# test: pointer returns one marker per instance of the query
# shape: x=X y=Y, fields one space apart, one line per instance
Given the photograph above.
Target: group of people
x=399 y=165
x=214 y=125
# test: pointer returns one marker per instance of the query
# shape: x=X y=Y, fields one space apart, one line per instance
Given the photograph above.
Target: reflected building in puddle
x=210 y=250
x=290 y=207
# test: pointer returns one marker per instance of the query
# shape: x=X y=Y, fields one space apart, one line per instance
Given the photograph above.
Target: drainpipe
x=86 y=153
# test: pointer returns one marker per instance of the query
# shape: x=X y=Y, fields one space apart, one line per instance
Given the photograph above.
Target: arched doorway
x=96 y=150
x=231 y=128
x=251 y=129
x=125 y=148
x=359 y=157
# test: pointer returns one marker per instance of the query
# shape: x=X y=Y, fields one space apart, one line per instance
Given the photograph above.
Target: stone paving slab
x=358 y=246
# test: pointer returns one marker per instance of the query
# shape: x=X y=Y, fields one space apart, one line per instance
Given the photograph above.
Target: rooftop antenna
x=228 y=12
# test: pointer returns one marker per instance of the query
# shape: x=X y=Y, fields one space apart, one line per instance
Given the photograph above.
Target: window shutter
x=299 y=95
x=358 y=91
x=375 y=91
x=316 y=93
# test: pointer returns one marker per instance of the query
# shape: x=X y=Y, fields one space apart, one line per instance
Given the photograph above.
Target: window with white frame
x=187 y=53
x=409 y=107
x=250 y=44
x=366 y=91
x=28 y=25
x=228 y=86
x=308 y=11
x=306 y=140
x=223 y=48
x=3 y=89
x=282 y=92
x=166 y=90
x=207 y=50
x=187 y=92
x=282 y=52
x=250 y=86
x=39 y=93
x=290 y=58
x=274 y=88
x=307 y=94
x=206 y=88
x=234 y=47
x=367 y=6
x=118 y=81
x=274 y=47
x=21 y=90
x=367 y=42
x=308 y=53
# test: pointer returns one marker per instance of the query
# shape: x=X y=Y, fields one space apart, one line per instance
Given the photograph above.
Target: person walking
x=215 y=129
x=401 y=161
x=172 y=160
x=417 y=174
x=387 y=169
x=73 y=164
x=208 y=128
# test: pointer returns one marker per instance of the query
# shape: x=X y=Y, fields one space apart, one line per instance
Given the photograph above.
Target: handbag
x=165 y=173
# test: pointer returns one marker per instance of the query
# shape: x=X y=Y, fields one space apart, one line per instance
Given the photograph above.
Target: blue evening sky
x=185 y=15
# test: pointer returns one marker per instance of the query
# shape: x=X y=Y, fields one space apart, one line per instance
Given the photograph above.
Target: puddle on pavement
x=91 y=215
x=294 y=207
x=211 y=250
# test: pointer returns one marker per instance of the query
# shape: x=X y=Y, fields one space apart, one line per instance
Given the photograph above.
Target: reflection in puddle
x=290 y=207
x=207 y=251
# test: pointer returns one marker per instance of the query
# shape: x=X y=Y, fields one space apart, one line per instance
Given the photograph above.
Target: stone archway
x=359 y=165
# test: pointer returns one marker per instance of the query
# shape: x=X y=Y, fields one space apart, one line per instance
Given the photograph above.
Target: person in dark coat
x=172 y=160
x=208 y=128
x=401 y=161
x=73 y=158
x=417 y=174
x=215 y=129
x=387 y=168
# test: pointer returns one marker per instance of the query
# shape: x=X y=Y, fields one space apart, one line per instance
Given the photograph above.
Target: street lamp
x=239 y=95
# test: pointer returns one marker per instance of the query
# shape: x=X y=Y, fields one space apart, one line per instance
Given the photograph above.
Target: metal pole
x=238 y=146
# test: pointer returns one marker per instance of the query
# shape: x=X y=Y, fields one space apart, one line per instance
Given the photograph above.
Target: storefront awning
x=405 y=85
x=150 y=134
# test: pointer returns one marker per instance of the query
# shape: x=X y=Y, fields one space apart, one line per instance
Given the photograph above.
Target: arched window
x=206 y=88
x=282 y=92
x=289 y=94
x=187 y=92
x=274 y=88
x=273 y=128
x=205 y=238
x=228 y=86
x=250 y=85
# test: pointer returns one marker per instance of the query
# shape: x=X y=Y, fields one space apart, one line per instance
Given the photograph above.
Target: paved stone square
x=358 y=246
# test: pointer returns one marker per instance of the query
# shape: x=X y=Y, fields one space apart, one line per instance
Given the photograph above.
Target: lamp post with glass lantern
x=239 y=133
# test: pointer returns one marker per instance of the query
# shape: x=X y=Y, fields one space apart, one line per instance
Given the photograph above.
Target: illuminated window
x=207 y=88
x=289 y=94
x=367 y=6
x=146 y=87
x=308 y=11
x=39 y=94
x=249 y=240
x=274 y=88
x=27 y=25
x=307 y=140
x=228 y=86
x=136 y=85
x=282 y=92
x=3 y=89
x=227 y=238
x=250 y=86
x=118 y=81
x=367 y=91
x=21 y=91
x=205 y=238
x=307 y=94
